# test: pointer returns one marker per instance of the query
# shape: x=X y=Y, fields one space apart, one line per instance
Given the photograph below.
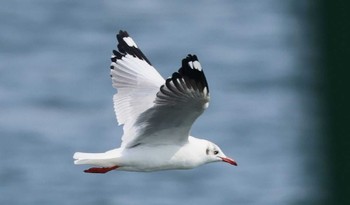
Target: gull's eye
x=216 y=152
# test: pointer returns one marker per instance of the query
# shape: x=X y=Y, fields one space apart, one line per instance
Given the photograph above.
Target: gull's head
x=214 y=154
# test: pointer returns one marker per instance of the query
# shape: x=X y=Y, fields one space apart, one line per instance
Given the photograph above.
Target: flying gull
x=156 y=114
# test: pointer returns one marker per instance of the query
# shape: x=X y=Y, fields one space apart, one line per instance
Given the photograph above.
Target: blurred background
x=268 y=105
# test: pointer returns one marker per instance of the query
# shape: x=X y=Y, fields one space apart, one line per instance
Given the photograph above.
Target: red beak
x=228 y=160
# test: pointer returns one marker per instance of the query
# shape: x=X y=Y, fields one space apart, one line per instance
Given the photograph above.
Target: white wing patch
x=197 y=65
x=130 y=42
x=137 y=83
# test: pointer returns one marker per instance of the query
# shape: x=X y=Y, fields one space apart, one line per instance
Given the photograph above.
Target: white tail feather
x=97 y=159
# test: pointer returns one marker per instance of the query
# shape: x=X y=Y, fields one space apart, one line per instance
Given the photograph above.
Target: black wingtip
x=125 y=48
x=122 y=34
x=187 y=63
x=189 y=58
x=193 y=70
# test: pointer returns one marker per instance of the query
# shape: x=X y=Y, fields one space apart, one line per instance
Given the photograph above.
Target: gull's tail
x=105 y=159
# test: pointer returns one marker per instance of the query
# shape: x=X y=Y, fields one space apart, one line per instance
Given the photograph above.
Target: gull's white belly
x=153 y=158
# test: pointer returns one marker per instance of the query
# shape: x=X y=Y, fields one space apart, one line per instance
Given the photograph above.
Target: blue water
x=56 y=98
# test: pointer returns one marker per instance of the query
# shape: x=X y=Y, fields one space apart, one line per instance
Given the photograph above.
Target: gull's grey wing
x=178 y=103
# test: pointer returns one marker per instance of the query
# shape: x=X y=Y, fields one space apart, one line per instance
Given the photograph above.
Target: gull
x=156 y=114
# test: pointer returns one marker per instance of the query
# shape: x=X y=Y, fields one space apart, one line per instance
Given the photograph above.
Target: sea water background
x=56 y=98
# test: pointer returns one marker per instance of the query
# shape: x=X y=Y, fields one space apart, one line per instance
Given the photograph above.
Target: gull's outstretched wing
x=137 y=82
x=179 y=102
x=152 y=110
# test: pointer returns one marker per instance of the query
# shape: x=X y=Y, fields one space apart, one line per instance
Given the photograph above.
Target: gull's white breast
x=163 y=157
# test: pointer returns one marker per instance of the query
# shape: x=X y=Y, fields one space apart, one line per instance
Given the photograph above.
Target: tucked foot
x=100 y=170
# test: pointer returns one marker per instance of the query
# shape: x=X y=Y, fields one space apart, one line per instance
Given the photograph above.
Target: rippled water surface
x=56 y=98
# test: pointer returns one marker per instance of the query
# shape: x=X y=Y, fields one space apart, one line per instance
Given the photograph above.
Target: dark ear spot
x=207 y=151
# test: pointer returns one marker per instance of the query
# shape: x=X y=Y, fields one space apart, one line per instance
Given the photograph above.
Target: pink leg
x=100 y=170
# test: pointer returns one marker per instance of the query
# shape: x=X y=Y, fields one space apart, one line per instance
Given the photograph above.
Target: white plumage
x=156 y=115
